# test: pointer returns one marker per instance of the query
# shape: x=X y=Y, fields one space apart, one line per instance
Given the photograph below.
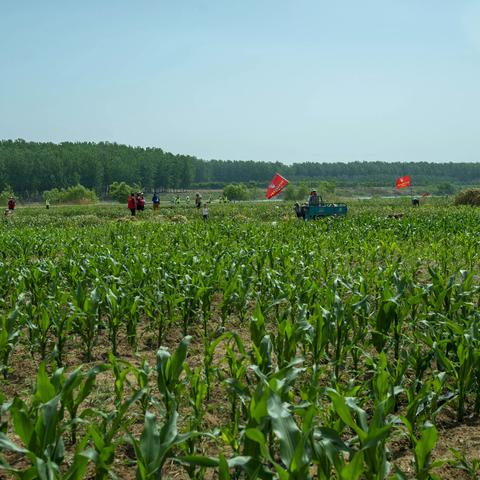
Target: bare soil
x=464 y=437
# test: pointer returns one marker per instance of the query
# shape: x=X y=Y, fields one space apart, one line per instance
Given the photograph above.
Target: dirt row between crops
x=462 y=437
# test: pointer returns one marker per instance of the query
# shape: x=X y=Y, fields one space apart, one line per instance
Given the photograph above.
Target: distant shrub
x=236 y=192
x=327 y=187
x=120 y=191
x=77 y=194
x=290 y=193
x=468 y=197
x=445 y=188
x=298 y=191
x=6 y=194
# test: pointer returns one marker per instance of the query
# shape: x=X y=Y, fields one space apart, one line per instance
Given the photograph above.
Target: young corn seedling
x=169 y=373
x=10 y=329
x=470 y=466
x=463 y=370
x=156 y=445
x=104 y=434
x=75 y=389
x=370 y=435
x=62 y=317
x=422 y=449
x=40 y=428
x=86 y=307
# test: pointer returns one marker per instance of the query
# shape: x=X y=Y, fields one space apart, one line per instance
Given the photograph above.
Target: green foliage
x=303 y=191
x=32 y=167
x=290 y=192
x=445 y=188
x=326 y=188
x=299 y=191
x=236 y=192
x=313 y=346
x=121 y=191
x=77 y=194
x=6 y=193
x=10 y=328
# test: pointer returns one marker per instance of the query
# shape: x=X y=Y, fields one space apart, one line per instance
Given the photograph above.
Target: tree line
x=29 y=168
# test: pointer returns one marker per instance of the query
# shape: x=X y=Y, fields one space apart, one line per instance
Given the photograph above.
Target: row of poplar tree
x=30 y=168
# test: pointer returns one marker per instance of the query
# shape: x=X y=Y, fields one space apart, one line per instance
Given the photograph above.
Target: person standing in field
x=313 y=199
x=205 y=212
x=132 y=204
x=155 y=201
x=11 y=204
x=47 y=203
x=140 y=202
x=198 y=200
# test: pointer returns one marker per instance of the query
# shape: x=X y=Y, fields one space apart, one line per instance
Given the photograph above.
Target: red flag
x=403 y=182
x=277 y=184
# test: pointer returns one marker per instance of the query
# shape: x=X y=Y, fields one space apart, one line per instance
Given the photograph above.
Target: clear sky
x=286 y=80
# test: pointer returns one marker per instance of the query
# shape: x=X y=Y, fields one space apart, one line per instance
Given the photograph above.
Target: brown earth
x=464 y=437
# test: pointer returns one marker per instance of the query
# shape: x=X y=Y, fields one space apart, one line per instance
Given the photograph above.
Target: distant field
x=252 y=345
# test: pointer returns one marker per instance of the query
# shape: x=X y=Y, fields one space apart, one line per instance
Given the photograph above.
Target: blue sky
x=304 y=80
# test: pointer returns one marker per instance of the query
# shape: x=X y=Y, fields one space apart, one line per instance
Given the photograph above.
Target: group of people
x=136 y=202
x=198 y=205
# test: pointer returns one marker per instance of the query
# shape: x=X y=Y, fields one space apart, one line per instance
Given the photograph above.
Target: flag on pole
x=403 y=182
x=277 y=184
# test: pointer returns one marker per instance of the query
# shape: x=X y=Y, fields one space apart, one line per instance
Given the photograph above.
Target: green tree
x=445 y=188
x=121 y=191
x=236 y=192
x=30 y=167
x=290 y=193
x=6 y=194
x=327 y=187
x=303 y=191
x=75 y=194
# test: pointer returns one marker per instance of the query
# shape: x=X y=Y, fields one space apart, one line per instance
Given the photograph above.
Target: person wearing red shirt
x=11 y=203
x=131 y=204
x=141 y=202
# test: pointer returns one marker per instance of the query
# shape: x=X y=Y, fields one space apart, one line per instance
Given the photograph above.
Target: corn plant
x=62 y=319
x=463 y=368
x=40 y=428
x=370 y=435
x=10 y=329
x=169 y=372
x=86 y=310
x=156 y=445
x=422 y=448
x=103 y=432
x=470 y=466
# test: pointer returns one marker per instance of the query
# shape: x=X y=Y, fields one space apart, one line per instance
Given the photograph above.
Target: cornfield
x=249 y=346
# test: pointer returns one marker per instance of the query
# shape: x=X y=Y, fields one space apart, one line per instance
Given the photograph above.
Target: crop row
x=318 y=344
